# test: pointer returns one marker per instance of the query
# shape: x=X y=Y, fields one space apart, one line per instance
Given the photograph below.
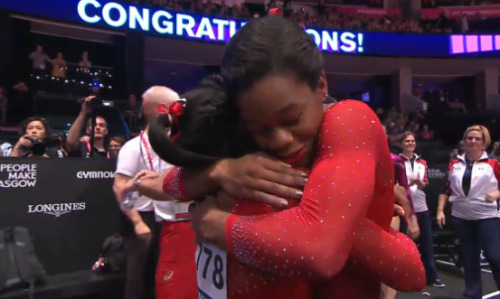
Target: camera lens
x=38 y=148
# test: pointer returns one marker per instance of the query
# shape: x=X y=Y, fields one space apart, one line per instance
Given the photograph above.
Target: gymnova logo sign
x=435 y=173
x=56 y=209
x=90 y=175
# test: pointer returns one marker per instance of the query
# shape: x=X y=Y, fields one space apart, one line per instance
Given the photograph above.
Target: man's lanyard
x=148 y=153
x=88 y=149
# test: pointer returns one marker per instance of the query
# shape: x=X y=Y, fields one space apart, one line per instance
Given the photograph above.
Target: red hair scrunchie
x=176 y=109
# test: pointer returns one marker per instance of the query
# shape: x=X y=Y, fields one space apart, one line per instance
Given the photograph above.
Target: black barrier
x=67 y=204
x=445 y=244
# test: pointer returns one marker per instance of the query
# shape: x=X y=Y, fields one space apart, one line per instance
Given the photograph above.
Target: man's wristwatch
x=136 y=185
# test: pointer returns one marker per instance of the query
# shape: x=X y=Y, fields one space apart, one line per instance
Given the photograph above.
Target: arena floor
x=455 y=286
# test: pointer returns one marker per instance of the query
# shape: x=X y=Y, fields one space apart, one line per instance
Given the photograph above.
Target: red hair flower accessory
x=176 y=109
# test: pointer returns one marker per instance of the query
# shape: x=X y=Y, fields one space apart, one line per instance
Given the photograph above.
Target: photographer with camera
x=75 y=147
x=36 y=141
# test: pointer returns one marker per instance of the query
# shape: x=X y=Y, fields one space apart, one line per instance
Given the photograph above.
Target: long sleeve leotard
x=345 y=212
x=347 y=201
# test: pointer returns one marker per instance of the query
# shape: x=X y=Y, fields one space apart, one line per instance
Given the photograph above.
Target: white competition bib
x=181 y=211
x=211 y=271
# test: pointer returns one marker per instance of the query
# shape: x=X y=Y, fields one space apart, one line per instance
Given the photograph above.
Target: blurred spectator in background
x=495 y=152
x=77 y=148
x=115 y=144
x=426 y=133
x=133 y=112
x=210 y=8
x=457 y=151
x=321 y=8
x=224 y=10
x=5 y=149
x=270 y=5
x=3 y=107
x=287 y=8
x=464 y=24
x=442 y=95
x=240 y=11
x=39 y=59
x=22 y=101
x=85 y=64
x=461 y=147
x=453 y=154
x=61 y=137
x=414 y=127
x=59 y=66
x=457 y=106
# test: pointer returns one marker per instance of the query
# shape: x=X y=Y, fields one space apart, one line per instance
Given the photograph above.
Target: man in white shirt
x=142 y=221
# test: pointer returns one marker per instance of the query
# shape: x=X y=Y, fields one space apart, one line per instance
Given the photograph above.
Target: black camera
x=98 y=103
x=39 y=146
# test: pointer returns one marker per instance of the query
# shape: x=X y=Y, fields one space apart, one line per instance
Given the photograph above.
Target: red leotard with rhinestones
x=339 y=233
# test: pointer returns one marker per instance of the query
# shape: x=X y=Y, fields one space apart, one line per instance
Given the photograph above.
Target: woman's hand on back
x=261 y=178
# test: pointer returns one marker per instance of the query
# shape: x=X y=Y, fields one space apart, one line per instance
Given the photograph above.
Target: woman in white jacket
x=416 y=171
x=472 y=189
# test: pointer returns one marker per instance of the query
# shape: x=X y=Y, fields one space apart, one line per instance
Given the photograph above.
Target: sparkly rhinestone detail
x=352 y=177
x=173 y=184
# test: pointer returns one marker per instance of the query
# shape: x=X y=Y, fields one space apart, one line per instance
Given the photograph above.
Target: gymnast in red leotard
x=336 y=242
x=316 y=236
x=392 y=256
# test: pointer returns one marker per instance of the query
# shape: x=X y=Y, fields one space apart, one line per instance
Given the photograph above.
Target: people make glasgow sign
x=168 y=23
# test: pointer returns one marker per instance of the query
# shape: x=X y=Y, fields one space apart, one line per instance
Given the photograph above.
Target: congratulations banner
x=171 y=24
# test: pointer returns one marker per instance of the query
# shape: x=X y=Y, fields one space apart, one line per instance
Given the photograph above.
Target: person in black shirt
x=35 y=141
x=82 y=149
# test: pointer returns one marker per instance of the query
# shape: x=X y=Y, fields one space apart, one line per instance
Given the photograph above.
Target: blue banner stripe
x=160 y=22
